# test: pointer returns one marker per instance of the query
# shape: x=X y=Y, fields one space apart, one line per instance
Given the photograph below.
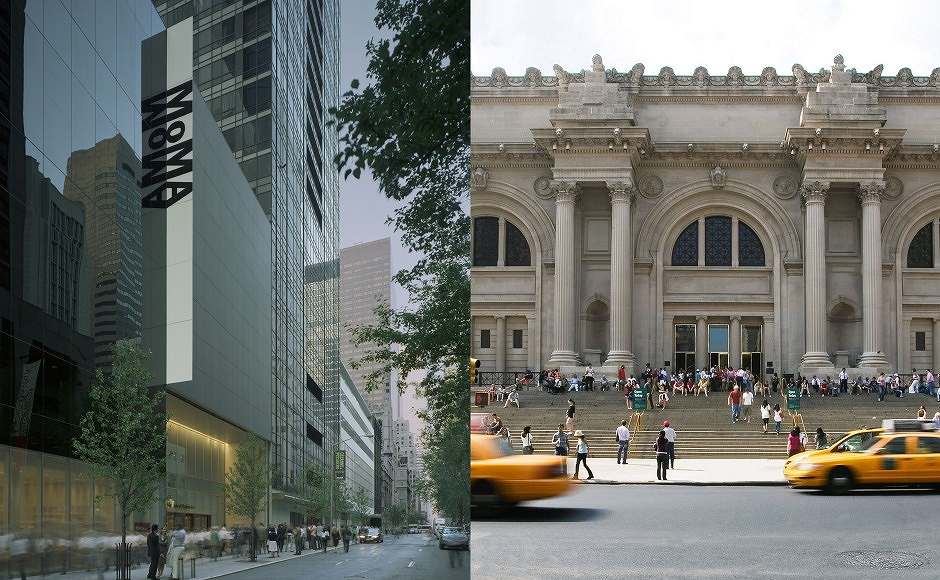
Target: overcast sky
x=363 y=209
x=683 y=35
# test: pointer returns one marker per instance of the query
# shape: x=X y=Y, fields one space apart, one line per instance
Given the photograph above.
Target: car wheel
x=484 y=494
x=840 y=480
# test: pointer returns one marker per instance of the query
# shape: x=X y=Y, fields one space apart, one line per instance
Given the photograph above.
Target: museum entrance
x=718 y=350
x=752 y=357
x=684 y=342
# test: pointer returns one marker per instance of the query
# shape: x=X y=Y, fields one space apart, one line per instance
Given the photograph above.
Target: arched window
x=485 y=241
x=517 y=248
x=920 y=252
x=718 y=244
x=750 y=250
x=717 y=241
x=685 y=252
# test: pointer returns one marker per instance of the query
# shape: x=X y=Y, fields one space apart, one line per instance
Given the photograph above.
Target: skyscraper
x=365 y=281
x=270 y=72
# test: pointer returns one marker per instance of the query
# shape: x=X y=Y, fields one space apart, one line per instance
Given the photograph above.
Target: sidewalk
x=205 y=567
x=687 y=471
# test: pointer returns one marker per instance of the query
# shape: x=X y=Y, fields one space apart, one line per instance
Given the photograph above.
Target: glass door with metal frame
x=752 y=356
x=684 y=343
x=718 y=340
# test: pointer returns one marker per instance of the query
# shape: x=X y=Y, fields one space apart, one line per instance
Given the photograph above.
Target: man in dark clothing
x=153 y=551
x=281 y=530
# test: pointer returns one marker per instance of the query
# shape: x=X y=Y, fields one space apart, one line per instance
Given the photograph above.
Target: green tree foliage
x=246 y=483
x=318 y=499
x=361 y=507
x=123 y=433
x=410 y=126
x=394 y=517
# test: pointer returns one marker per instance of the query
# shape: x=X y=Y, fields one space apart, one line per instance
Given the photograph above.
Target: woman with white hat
x=582 y=455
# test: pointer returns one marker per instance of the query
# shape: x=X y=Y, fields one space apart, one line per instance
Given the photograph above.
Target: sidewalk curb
x=272 y=561
x=758 y=483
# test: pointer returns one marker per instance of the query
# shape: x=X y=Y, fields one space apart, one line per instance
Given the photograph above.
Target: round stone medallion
x=893 y=187
x=540 y=185
x=650 y=186
x=785 y=186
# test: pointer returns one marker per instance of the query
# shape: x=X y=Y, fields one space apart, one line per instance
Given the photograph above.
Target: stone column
x=500 y=343
x=621 y=276
x=501 y=243
x=566 y=194
x=734 y=342
x=701 y=341
x=936 y=346
x=870 y=196
x=532 y=348
x=814 y=277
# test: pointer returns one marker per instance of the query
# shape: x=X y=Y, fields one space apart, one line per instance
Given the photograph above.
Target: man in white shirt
x=589 y=378
x=623 y=441
x=747 y=399
x=843 y=381
x=670 y=443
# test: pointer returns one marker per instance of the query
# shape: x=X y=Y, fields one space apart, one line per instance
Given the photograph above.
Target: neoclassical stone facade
x=771 y=221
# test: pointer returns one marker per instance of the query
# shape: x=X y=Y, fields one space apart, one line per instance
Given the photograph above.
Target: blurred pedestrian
x=778 y=418
x=346 y=535
x=174 y=556
x=747 y=400
x=794 y=445
x=734 y=401
x=582 y=455
x=569 y=416
x=153 y=551
x=272 y=542
x=661 y=447
x=922 y=413
x=765 y=414
x=560 y=441
x=822 y=441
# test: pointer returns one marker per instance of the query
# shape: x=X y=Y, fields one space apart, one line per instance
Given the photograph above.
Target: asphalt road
x=649 y=531
x=409 y=557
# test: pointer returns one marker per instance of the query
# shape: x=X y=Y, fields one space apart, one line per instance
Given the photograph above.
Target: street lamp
x=333 y=475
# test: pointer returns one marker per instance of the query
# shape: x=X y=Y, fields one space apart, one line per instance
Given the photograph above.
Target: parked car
x=453 y=538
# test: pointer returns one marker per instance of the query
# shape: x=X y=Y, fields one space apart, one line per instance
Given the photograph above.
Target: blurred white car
x=454 y=538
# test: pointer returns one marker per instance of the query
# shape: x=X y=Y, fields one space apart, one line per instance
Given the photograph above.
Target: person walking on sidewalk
x=153 y=551
x=747 y=400
x=346 y=535
x=661 y=448
x=582 y=455
x=623 y=442
x=670 y=443
x=324 y=537
x=734 y=401
x=765 y=414
x=560 y=441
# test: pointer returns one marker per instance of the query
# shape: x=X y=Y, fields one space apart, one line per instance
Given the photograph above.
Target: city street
x=646 y=531
x=408 y=557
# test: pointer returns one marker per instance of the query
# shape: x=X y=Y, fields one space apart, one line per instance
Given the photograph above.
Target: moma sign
x=168 y=146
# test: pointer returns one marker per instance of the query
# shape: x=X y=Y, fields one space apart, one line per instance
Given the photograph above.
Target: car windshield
x=856 y=443
x=503 y=448
x=373 y=530
x=866 y=445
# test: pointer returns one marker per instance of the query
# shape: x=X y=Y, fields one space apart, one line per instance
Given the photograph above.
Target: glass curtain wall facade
x=70 y=247
x=269 y=70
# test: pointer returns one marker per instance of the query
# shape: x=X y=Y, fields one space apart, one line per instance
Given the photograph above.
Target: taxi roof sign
x=896 y=425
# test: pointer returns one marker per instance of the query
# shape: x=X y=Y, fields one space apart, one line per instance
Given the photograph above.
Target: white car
x=454 y=538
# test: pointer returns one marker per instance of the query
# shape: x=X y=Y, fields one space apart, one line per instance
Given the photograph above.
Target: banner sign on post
x=793 y=398
x=639 y=398
x=339 y=464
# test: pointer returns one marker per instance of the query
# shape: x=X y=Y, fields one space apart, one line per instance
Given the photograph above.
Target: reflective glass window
x=57 y=28
x=106 y=31
x=57 y=124
x=82 y=118
x=105 y=90
x=33 y=90
x=83 y=58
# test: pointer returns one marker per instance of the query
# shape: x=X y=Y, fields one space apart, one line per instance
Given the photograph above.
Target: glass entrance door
x=684 y=347
x=718 y=335
x=752 y=356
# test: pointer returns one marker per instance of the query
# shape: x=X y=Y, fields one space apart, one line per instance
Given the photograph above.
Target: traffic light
x=474 y=365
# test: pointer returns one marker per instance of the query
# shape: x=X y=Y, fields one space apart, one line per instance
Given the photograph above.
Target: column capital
x=565 y=191
x=701 y=318
x=530 y=316
x=621 y=191
x=814 y=191
x=871 y=192
x=499 y=316
x=735 y=318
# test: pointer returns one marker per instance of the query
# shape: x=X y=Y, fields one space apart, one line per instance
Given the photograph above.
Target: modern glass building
x=269 y=70
x=70 y=245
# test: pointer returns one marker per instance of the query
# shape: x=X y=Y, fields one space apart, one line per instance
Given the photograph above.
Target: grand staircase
x=703 y=425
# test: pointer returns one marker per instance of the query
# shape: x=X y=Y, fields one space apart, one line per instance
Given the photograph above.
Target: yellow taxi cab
x=907 y=452
x=851 y=442
x=499 y=477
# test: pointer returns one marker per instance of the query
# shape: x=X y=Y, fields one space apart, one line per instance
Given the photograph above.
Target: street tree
x=409 y=124
x=123 y=434
x=361 y=507
x=395 y=517
x=246 y=483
